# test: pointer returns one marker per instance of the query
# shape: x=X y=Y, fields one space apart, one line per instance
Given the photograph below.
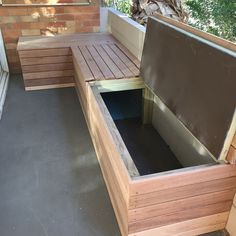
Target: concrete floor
x=50 y=180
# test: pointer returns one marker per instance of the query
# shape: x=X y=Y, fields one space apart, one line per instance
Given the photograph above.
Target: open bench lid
x=196 y=79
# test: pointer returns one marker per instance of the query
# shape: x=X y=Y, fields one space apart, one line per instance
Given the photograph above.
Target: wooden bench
x=47 y=61
x=191 y=200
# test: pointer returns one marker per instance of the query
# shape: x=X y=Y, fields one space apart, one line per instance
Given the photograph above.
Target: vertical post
x=148 y=98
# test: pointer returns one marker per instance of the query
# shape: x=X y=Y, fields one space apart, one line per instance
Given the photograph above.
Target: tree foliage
x=214 y=16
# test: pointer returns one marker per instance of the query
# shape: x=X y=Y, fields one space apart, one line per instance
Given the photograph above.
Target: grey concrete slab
x=50 y=180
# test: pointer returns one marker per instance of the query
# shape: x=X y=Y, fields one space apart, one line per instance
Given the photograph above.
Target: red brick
x=65 y=17
x=17 y=11
x=85 y=16
x=91 y=23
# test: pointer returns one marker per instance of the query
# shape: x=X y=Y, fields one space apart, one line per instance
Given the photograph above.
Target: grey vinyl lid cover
x=194 y=77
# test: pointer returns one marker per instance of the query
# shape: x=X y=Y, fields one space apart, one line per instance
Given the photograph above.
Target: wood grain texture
x=184 y=192
x=61 y=41
x=45 y=52
x=183 y=177
x=231 y=221
x=170 y=207
x=47 y=67
x=45 y=60
x=189 y=228
x=114 y=172
x=52 y=86
x=176 y=217
x=48 y=74
x=50 y=81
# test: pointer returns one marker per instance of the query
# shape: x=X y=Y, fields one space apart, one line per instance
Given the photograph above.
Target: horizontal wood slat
x=45 y=52
x=170 y=207
x=190 y=227
x=45 y=60
x=48 y=74
x=62 y=41
x=50 y=81
x=173 y=194
x=180 y=178
x=47 y=67
x=180 y=216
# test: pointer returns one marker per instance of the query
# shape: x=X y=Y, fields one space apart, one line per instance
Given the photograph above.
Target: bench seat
x=47 y=61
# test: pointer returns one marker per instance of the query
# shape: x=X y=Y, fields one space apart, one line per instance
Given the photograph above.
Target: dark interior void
x=148 y=150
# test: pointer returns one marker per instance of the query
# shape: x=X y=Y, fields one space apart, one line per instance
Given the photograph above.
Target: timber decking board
x=101 y=64
x=97 y=74
x=106 y=61
x=112 y=66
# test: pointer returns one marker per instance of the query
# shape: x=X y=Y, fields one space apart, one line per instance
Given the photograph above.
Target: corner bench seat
x=190 y=200
x=47 y=61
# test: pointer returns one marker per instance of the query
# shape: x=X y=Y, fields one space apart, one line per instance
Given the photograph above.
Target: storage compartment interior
x=149 y=150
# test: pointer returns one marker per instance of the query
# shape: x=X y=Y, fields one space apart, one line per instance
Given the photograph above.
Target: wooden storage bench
x=161 y=179
x=161 y=138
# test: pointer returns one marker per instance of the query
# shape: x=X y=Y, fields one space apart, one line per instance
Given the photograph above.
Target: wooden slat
x=173 y=194
x=101 y=64
x=62 y=41
x=51 y=86
x=91 y=63
x=112 y=66
x=124 y=69
x=50 y=81
x=180 y=216
x=189 y=228
x=45 y=52
x=167 y=208
x=47 y=67
x=130 y=64
x=45 y=60
x=48 y=74
x=86 y=74
x=182 y=177
x=129 y=54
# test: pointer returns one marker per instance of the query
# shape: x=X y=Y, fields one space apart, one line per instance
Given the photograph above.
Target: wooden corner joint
x=231 y=156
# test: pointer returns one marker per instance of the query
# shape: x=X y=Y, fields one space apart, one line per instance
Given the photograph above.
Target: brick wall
x=25 y=21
